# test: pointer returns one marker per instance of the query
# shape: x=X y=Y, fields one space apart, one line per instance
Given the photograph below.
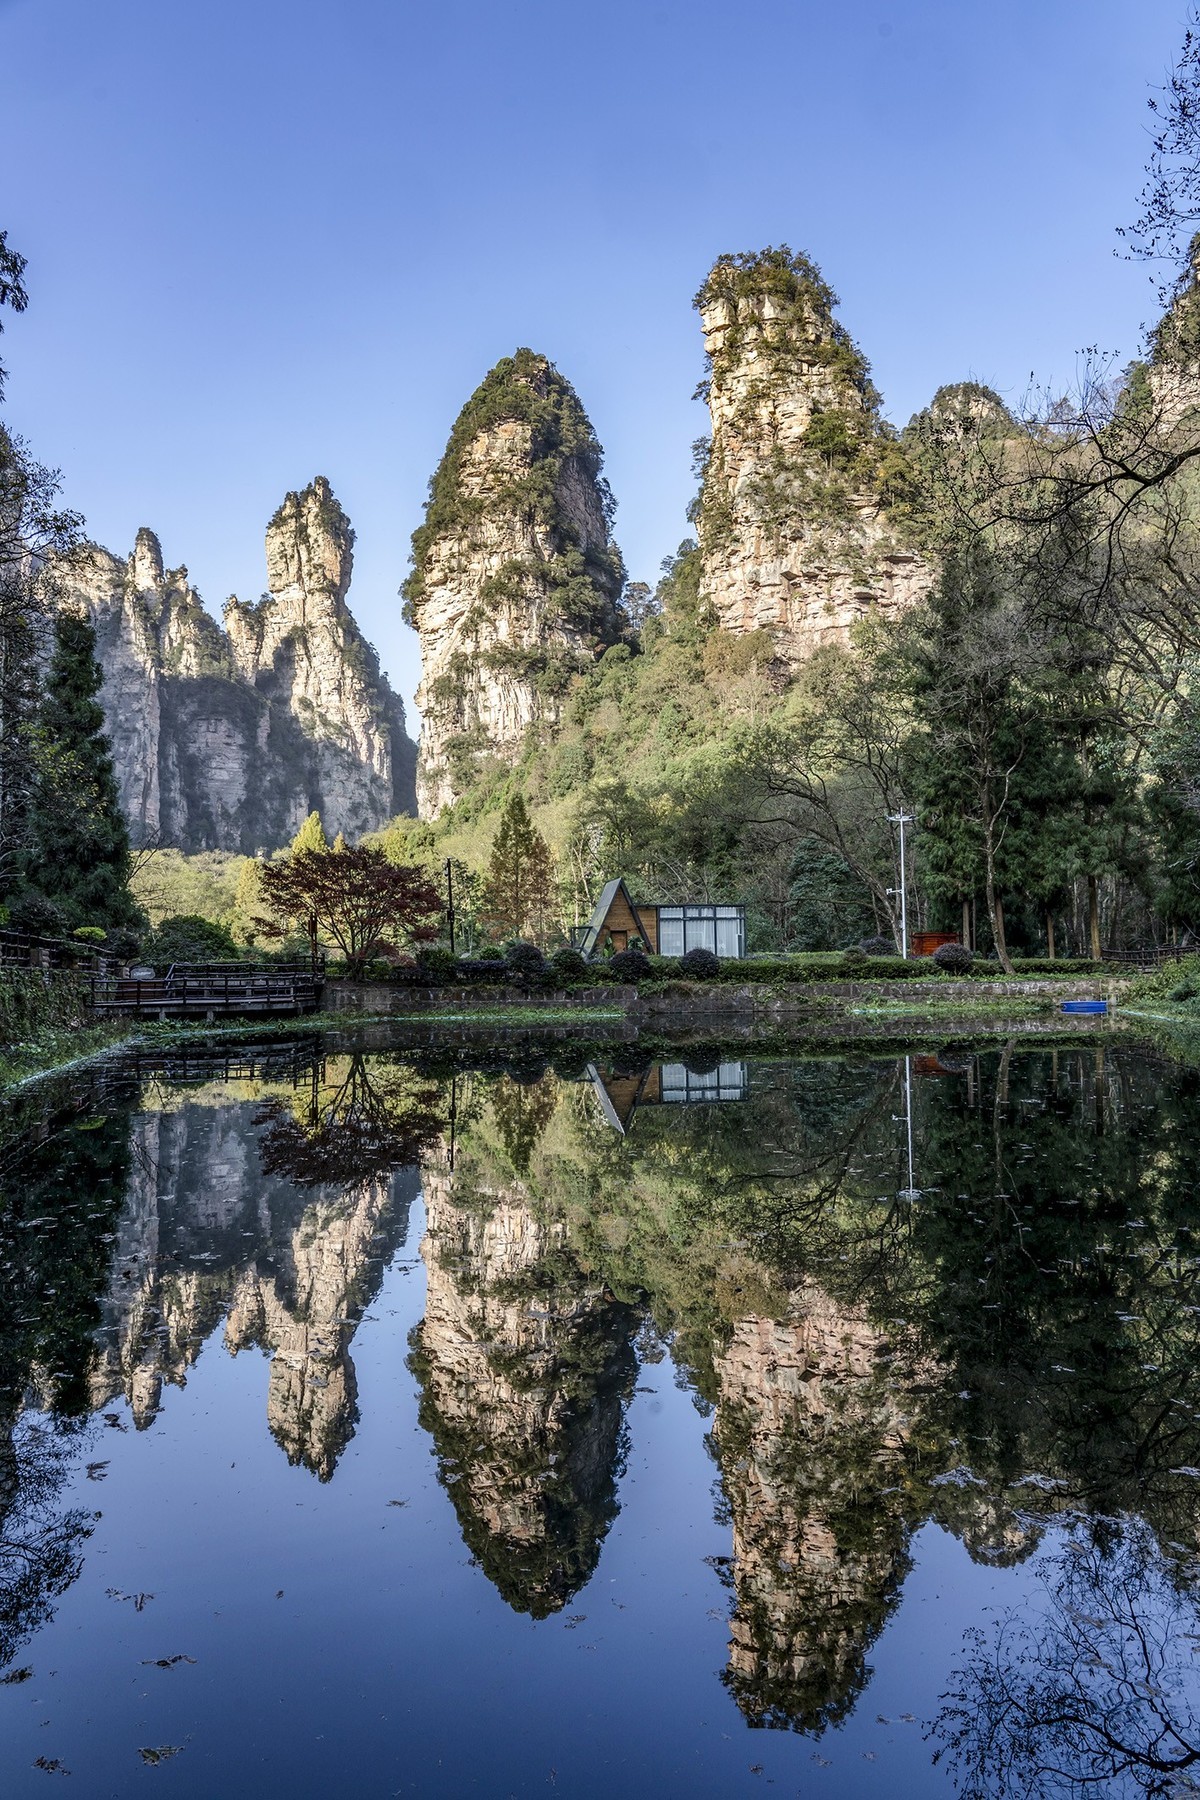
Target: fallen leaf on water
x=95 y=1471
x=15 y=1675
x=159 y=1753
x=165 y=1662
x=51 y=1765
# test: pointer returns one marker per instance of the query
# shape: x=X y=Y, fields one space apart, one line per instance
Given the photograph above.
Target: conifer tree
x=311 y=835
x=518 y=893
x=79 y=845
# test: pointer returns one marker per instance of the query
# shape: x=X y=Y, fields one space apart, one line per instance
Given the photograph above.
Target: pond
x=574 y=1422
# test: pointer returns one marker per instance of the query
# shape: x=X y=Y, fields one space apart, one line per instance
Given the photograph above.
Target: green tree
x=520 y=880
x=311 y=835
x=247 y=902
x=79 y=845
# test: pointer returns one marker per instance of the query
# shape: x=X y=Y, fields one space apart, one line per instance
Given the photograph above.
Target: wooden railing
x=1151 y=957
x=201 y=990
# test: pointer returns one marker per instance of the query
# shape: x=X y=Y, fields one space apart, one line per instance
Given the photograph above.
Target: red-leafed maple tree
x=355 y=897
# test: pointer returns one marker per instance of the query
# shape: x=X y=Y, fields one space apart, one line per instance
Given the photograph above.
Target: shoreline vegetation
x=759 y=1014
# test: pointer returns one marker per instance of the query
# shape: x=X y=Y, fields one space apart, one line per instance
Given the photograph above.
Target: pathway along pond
x=634 y=1429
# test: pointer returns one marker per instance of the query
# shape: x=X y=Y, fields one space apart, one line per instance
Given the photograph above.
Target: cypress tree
x=79 y=849
x=519 y=891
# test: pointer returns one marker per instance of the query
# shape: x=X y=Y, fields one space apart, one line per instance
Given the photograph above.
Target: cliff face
x=515 y=578
x=794 y=524
x=526 y=1367
x=227 y=739
x=815 y=1432
x=205 y=1234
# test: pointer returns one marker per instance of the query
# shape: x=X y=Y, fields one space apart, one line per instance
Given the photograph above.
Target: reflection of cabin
x=663 y=930
x=665 y=1084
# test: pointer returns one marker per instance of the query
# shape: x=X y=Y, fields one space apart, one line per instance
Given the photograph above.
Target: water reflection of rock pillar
x=306 y=1314
x=525 y=1366
x=814 y=1426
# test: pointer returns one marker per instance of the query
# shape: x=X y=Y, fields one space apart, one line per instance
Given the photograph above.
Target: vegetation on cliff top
x=525 y=389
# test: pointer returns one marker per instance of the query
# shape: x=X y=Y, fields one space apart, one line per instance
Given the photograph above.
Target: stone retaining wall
x=682 y=998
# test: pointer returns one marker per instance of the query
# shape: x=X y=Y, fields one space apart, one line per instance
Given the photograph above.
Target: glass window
x=721 y=929
x=681 y=1086
x=670 y=931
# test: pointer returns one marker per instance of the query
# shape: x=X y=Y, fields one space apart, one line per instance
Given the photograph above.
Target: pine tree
x=311 y=835
x=519 y=890
x=248 y=902
x=79 y=845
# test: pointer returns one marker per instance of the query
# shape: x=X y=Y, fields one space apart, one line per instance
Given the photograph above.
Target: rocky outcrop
x=515 y=578
x=227 y=739
x=525 y=1367
x=816 y=1422
x=797 y=522
x=205 y=1234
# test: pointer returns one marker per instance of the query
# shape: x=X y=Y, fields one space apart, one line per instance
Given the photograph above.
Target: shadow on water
x=961 y=1288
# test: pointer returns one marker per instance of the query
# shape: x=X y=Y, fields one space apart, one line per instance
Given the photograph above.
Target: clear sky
x=269 y=238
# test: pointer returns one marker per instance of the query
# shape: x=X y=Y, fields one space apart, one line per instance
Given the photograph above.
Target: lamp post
x=902 y=819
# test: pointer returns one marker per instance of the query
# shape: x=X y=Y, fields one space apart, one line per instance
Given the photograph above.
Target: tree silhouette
x=357 y=1122
x=1096 y=1694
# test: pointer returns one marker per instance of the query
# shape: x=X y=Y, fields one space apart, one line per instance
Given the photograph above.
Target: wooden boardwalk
x=208 y=991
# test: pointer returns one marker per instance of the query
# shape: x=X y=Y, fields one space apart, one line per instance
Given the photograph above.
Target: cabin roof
x=603 y=907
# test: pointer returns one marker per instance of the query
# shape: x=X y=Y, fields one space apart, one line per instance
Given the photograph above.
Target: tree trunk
x=966 y=922
x=1093 y=887
x=1049 y=934
x=994 y=903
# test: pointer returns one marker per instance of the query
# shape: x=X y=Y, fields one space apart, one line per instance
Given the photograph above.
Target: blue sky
x=268 y=240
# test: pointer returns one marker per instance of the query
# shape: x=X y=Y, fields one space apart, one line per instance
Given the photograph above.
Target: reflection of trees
x=522 y=1111
x=1094 y=1693
x=40 y=1547
x=64 y=1162
x=357 y=1121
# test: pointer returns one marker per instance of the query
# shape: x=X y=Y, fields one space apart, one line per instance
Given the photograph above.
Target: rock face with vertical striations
x=227 y=739
x=816 y=1432
x=798 y=519
x=515 y=581
x=207 y=1234
x=526 y=1367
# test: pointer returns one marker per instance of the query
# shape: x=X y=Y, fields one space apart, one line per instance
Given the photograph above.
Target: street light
x=902 y=819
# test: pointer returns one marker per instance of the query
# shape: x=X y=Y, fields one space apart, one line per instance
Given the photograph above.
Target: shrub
x=629 y=965
x=436 y=964
x=954 y=959
x=525 y=962
x=569 y=965
x=699 y=965
x=854 y=958
x=187 y=938
x=482 y=969
x=90 y=934
x=878 y=946
x=35 y=914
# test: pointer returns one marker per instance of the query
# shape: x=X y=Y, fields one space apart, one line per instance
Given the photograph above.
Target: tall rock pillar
x=515 y=577
x=795 y=532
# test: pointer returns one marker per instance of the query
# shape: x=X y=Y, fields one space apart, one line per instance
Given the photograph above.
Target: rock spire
x=515 y=580
x=796 y=515
x=228 y=739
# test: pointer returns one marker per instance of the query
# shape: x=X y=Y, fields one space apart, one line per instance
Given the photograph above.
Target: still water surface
x=829 y=1426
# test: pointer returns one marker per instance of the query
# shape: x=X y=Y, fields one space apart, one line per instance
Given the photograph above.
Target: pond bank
x=681 y=1012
